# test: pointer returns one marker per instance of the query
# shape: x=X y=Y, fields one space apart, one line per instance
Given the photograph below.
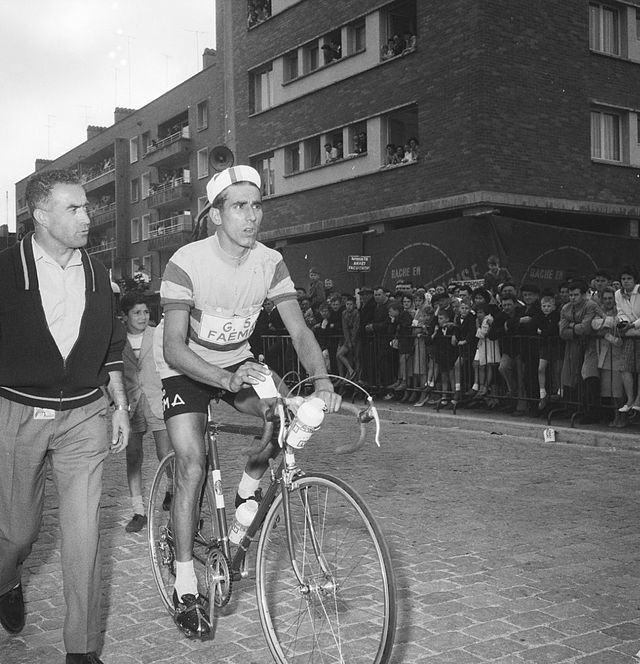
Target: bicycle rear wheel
x=346 y=609
x=160 y=534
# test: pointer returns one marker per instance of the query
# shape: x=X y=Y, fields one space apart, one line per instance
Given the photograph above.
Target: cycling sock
x=137 y=504
x=248 y=486
x=186 y=580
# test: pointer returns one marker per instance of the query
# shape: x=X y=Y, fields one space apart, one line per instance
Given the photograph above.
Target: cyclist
x=212 y=291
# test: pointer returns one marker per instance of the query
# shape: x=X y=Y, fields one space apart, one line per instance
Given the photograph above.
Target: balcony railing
x=92 y=176
x=105 y=214
x=102 y=247
x=169 y=150
x=169 y=232
x=176 y=192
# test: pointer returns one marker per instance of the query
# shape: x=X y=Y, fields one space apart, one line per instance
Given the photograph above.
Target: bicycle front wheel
x=160 y=533
x=345 y=609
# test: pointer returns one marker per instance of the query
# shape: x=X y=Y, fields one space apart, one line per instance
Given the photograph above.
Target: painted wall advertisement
x=457 y=250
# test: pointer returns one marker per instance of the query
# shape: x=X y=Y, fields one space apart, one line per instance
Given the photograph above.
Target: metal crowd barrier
x=583 y=379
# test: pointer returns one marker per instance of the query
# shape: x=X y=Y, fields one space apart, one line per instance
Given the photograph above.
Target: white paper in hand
x=266 y=389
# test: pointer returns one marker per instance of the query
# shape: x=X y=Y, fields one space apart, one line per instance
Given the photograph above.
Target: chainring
x=218 y=577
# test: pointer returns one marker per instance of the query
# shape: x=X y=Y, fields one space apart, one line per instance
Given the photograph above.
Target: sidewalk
x=501 y=423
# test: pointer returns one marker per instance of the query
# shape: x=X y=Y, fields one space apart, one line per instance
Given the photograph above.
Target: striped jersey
x=223 y=295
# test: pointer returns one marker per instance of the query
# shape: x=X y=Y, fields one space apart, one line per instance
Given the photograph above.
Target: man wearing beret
x=212 y=292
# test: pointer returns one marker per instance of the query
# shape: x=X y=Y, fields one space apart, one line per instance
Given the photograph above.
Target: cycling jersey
x=223 y=295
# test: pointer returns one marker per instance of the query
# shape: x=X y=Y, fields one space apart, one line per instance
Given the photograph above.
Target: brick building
x=526 y=113
x=527 y=116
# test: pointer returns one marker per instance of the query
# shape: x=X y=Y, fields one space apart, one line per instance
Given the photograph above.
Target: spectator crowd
x=571 y=351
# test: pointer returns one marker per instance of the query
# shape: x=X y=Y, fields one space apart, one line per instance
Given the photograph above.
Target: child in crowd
x=546 y=325
x=444 y=344
x=144 y=392
x=335 y=329
x=392 y=356
x=465 y=322
x=322 y=330
x=405 y=348
x=426 y=324
x=349 y=351
x=487 y=355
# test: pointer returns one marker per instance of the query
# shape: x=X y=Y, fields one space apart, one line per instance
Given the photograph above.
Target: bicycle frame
x=282 y=478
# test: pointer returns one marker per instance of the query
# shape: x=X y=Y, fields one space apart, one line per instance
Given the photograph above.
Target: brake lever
x=371 y=413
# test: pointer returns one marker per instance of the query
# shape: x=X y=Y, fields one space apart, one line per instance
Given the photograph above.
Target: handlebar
x=276 y=412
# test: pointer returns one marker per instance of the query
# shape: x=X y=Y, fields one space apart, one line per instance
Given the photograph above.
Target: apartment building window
x=146 y=141
x=637 y=23
x=310 y=60
x=357 y=138
x=141 y=264
x=292 y=159
x=333 y=147
x=202 y=119
x=398 y=28
x=203 y=162
x=290 y=66
x=605 y=135
x=133 y=150
x=261 y=89
x=604 y=29
x=399 y=132
x=356 y=37
x=144 y=226
x=135 y=190
x=135 y=230
x=264 y=166
x=312 y=152
x=332 y=46
x=145 y=185
x=258 y=11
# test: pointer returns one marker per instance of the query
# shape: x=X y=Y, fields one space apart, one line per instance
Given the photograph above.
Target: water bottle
x=307 y=420
x=243 y=518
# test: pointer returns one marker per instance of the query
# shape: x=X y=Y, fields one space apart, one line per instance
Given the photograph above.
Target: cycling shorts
x=181 y=394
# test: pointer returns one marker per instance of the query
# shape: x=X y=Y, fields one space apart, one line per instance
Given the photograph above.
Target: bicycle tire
x=160 y=538
x=350 y=618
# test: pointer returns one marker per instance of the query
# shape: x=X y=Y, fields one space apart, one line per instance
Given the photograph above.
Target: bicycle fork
x=310 y=532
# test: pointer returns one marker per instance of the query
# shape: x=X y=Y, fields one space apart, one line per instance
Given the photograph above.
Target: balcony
x=97 y=176
x=103 y=248
x=175 y=194
x=102 y=215
x=170 y=233
x=171 y=151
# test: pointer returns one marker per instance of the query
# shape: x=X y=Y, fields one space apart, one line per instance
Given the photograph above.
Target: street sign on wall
x=358 y=263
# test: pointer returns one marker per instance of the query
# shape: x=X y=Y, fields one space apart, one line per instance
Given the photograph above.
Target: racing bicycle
x=324 y=578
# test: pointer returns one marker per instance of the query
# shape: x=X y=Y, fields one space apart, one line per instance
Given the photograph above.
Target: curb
x=596 y=436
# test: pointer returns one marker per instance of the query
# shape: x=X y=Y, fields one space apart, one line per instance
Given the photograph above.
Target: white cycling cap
x=220 y=181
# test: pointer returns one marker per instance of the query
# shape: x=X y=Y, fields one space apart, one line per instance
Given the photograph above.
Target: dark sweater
x=32 y=370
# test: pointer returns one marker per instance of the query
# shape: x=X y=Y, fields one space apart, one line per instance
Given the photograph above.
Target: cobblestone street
x=506 y=549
